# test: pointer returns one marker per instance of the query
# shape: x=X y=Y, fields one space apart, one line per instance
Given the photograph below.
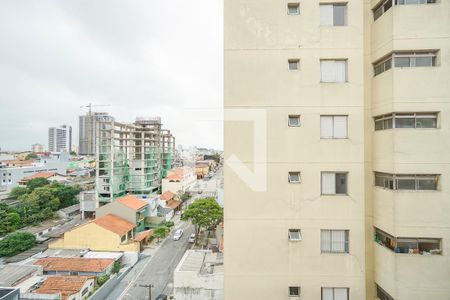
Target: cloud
x=143 y=58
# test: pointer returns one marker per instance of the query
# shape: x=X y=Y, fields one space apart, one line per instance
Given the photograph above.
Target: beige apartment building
x=354 y=98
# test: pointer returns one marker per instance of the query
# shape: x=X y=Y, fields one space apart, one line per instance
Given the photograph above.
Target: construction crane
x=90 y=106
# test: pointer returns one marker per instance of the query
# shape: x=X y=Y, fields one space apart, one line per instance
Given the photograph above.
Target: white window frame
x=416 y=115
x=296 y=6
x=336 y=78
x=390 y=181
x=291 y=232
x=333 y=290
x=334 y=173
x=388 y=62
x=404 y=2
x=293 y=173
x=295 y=61
x=331 y=243
x=297 y=117
x=328 y=20
x=333 y=129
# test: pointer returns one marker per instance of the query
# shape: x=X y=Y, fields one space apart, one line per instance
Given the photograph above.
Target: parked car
x=192 y=238
x=161 y=297
x=177 y=235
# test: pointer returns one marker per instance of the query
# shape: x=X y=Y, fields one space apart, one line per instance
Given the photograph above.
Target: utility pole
x=149 y=286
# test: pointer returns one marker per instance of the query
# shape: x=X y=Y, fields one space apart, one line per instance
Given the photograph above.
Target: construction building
x=336 y=182
x=87 y=132
x=132 y=158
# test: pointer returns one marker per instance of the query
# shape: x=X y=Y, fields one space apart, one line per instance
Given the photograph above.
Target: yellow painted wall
x=95 y=238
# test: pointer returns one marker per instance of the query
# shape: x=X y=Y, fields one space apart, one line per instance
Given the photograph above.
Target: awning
x=143 y=235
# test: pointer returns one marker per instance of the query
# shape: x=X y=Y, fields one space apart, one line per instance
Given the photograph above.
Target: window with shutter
x=328 y=183
x=326 y=127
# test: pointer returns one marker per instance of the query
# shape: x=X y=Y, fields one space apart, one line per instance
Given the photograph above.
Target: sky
x=141 y=58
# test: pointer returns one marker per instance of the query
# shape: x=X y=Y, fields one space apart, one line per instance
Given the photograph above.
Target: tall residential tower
x=87 y=132
x=337 y=149
x=60 y=139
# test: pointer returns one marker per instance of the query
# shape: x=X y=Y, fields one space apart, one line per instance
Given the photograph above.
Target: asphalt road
x=156 y=270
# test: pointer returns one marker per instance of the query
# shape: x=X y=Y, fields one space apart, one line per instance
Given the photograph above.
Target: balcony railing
x=422 y=246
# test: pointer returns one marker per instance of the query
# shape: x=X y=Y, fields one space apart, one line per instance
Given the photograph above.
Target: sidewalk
x=154 y=246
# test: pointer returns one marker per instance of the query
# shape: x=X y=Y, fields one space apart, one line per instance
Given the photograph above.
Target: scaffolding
x=131 y=158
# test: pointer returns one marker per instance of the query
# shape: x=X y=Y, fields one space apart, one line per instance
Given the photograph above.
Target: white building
x=179 y=180
x=37 y=148
x=60 y=139
x=199 y=276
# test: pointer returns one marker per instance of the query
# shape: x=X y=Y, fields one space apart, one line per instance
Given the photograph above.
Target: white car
x=192 y=238
x=177 y=235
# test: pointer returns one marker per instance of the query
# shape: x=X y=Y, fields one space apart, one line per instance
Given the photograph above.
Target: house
x=179 y=180
x=75 y=266
x=14 y=274
x=129 y=208
x=202 y=170
x=69 y=287
x=199 y=276
x=50 y=176
x=107 y=233
x=168 y=205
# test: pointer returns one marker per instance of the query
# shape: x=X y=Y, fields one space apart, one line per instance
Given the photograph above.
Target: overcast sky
x=144 y=58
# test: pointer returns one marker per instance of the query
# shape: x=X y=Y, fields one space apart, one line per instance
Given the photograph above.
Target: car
x=161 y=297
x=192 y=238
x=177 y=235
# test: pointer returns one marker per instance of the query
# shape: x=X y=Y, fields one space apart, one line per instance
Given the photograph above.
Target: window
x=406 y=60
x=382 y=294
x=293 y=64
x=294 y=177
x=294 y=121
x=334 y=14
x=407 y=182
x=406 y=2
x=334 y=183
x=293 y=8
x=123 y=238
x=294 y=291
x=406 y=120
x=295 y=235
x=85 y=290
x=333 y=127
x=334 y=241
x=333 y=70
x=335 y=293
x=381 y=8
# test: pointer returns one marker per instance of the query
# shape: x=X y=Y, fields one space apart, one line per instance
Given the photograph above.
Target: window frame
x=333 y=288
x=291 y=237
x=345 y=60
x=346 y=241
x=385 y=295
x=334 y=5
x=332 y=130
x=335 y=192
x=399 y=115
x=390 y=181
x=379 y=66
x=294 y=117
x=297 y=295
x=293 y=173
x=295 y=5
x=295 y=61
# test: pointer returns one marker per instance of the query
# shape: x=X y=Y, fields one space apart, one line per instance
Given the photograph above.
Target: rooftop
x=203 y=262
x=64 y=285
x=12 y=274
x=114 y=224
x=167 y=196
x=132 y=202
x=74 y=264
x=43 y=174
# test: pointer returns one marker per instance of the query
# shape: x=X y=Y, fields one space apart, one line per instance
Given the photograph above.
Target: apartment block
x=60 y=139
x=87 y=131
x=348 y=103
x=130 y=157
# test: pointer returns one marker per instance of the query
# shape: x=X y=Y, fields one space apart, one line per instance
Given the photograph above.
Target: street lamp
x=149 y=286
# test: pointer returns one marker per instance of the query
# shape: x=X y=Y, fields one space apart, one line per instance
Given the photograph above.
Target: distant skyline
x=145 y=58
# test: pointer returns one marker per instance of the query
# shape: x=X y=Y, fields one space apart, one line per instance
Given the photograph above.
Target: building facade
x=37 y=148
x=130 y=158
x=60 y=139
x=87 y=132
x=353 y=97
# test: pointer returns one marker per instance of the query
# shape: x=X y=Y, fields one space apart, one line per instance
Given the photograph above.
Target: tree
x=31 y=156
x=66 y=194
x=203 y=213
x=36 y=183
x=18 y=191
x=9 y=221
x=73 y=153
x=185 y=196
x=160 y=232
x=16 y=242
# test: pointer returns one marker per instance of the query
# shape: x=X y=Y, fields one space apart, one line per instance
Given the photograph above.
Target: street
x=156 y=270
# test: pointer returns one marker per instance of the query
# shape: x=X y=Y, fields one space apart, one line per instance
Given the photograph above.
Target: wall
x=118 y=209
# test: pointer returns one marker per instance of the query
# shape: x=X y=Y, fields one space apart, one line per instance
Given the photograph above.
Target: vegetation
x=160 y=232
x=16 y=242
x=204 y=213
x=168 y=224
x=37 y=202
x=185 y=196
x=73 y=153
x=31 y=156
x=102 y=279
x=116 y=267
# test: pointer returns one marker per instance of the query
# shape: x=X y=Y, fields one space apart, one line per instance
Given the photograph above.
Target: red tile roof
x=167 y=196
x=64 y=285
x=74 y=264
x=115 y=224
x=132 y=202
x=142 y=235
x=177 y=174
x=173 y=203
x=43 y=174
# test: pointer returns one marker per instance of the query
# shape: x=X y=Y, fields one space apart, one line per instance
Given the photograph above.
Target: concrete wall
x=118 y=209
